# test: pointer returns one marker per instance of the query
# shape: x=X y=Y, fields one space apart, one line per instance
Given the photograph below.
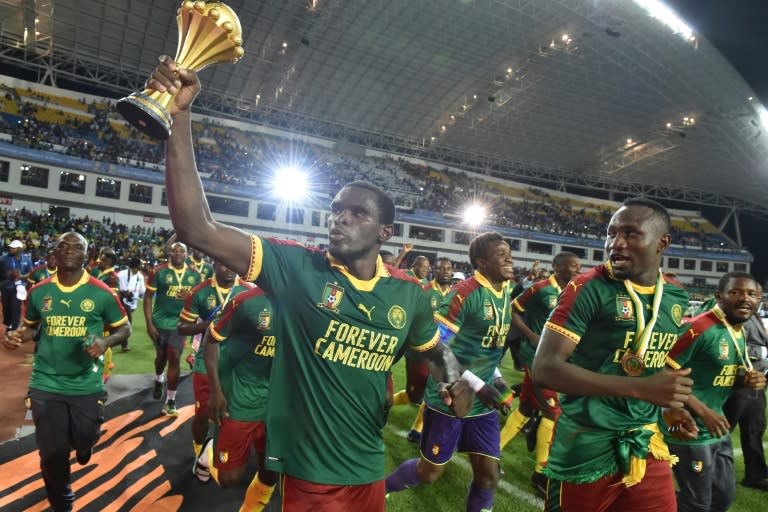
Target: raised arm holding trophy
x=209 y=33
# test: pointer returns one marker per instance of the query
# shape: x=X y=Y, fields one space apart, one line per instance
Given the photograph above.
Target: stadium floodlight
x=290 y=184
x=474 y=215
x=662 y=12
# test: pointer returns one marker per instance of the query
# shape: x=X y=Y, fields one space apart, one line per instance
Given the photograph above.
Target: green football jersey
x=67 y=315
x=714 y=355
x=39 y=273
x=166 y=282
x=339 y=336
x=204 y=268
x=477 y=318
x=596 y=434
x=422 y=281
x=535 y=304
x=436 y=298
x=207 y=301
x=246 y=350
x=108 y=277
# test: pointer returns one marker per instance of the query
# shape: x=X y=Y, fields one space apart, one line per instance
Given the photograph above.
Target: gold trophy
x=209 y=33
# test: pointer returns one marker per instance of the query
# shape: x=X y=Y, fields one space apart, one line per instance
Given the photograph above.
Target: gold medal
x=632 y=364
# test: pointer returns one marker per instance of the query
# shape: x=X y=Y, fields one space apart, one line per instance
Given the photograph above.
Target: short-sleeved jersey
x=714 y=356
x=436 y=296
x=204 y=268
x=166 y=281
x=476 y=317
x=247 y=348
x=207 y=301
x=535 y=305
x=108 y=277
x=39 y=273
x=339 y=336
x=596 y=312
x=412 y=274
x=67 y=315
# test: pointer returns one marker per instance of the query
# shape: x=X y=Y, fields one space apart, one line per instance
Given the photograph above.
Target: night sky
x=737 y=28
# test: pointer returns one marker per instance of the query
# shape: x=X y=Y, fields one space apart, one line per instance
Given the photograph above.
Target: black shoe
x=539 y=482
x=83 y=456
x=413 y=436
x=760 y=485
x=157 y=391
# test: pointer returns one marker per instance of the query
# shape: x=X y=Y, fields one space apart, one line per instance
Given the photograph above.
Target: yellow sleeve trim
x=257 y=255
x=188 y=316
x=450 y=325
x=428 y=345
x=151 y=288
x=517 y=306
x=562 y=330
x=216 y=336
x=30 y=322
x=120 y=322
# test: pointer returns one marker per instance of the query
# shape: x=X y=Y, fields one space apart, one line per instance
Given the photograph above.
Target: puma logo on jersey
x=365 y=310
x=65 y=302
x=575 y=285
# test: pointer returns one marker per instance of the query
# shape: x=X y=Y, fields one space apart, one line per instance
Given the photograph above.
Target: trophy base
x=146 y=115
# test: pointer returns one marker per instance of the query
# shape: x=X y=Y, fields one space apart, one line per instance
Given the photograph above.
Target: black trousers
x=705 y=476
x=11 y=304
x=63 y=423
x=746 y=408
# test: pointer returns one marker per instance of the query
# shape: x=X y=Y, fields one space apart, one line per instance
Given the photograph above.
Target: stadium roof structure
x=607 y=95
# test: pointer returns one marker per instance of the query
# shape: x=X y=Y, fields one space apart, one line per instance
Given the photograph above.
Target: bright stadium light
x=662 y=12
x=474 y=215
x=290 y=184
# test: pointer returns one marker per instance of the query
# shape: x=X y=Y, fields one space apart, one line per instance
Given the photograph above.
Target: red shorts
x=530 y=400
x=302 y=496
x=655 y=493
x=234 y=441
x=416 y=374
x=202 y=393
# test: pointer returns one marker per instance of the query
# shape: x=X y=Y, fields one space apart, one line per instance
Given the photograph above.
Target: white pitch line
x=505 y=486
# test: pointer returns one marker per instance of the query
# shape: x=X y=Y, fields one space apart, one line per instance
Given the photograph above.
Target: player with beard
x=604 y=348
x=342 y=315
x=206 y=301
x=170 y=284
x=714 y=346
x=474 y=321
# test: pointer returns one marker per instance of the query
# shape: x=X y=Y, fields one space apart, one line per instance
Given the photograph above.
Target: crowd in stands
x=237 y=157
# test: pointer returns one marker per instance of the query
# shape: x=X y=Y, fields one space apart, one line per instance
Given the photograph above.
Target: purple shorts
x=442 y=435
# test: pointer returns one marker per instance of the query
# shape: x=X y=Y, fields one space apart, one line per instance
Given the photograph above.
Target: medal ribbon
x=733 y=335
x=179 y=275
x=643 y=331
x=223 y=300
x=498 y=316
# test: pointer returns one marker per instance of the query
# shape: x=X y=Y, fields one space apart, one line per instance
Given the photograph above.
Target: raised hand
x=175 y=80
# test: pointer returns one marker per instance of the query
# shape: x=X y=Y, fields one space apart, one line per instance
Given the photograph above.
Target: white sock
x=171 y=394
x=159 y=378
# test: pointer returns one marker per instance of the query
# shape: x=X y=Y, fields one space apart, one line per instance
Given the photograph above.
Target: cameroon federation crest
x=697 y=466
x=47 y=303
x=624 y=309
x=211 y=302
x=677 y=314
x=265 y=318
x=552 y=302
x=223 y=457
x=724 y=346
x=396 y=317
x=435 y=449
x=487 y=310
x=331 y=299
x=87 y=305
